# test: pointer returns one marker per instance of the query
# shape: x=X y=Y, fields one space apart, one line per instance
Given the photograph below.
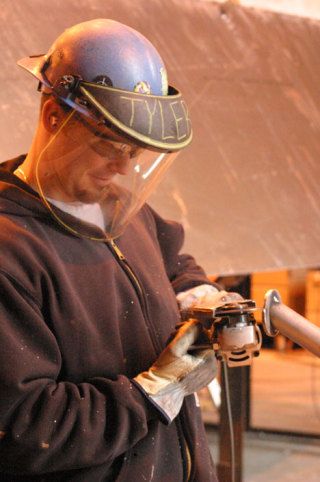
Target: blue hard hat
x=103 y=51
x=117 y=58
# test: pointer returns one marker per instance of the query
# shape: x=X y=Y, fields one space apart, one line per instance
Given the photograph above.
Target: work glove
x=177 y=373
x=206 y=296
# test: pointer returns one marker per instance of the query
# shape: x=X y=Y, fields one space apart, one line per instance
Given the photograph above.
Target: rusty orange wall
x=247 y=189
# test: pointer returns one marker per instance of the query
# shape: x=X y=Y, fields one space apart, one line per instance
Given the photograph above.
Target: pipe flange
x=271 y=298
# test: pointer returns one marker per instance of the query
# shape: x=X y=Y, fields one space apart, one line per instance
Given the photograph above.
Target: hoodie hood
x=18 y=199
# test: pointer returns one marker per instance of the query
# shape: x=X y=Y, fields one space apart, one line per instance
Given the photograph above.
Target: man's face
x=82 y=161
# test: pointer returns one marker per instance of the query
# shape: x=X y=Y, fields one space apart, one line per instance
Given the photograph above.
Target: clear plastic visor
x=97 y=176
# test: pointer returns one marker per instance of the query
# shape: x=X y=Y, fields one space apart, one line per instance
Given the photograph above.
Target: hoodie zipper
x=139 y=290
x=127 y=268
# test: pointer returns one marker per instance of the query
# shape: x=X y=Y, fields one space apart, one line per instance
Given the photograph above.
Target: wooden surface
x=247 y=189
x=313 y=297
x=285 y=393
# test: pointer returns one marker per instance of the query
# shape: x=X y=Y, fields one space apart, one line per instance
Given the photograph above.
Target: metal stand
x=239 y=400
x=277 y=318
x=239 y=391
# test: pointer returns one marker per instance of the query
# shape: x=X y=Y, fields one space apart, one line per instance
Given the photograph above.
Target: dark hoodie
x=75 y=327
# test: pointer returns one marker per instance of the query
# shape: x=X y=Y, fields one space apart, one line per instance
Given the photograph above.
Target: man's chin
x=90 y=197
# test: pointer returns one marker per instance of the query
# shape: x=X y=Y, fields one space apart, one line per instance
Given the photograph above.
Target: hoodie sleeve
x=47 y=424
x=183 y=270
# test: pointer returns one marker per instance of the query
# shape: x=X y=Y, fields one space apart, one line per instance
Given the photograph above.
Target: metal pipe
x=278 y=317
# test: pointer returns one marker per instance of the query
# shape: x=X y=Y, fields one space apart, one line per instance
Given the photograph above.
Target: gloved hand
x=206 y=296
x=176 y=373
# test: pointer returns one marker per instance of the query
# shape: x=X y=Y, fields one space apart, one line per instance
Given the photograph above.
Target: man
x=92 y=389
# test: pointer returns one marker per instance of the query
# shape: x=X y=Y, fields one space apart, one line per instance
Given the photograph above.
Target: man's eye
x=135 y=152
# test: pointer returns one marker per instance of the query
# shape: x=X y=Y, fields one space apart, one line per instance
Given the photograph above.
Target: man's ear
x=52 y=115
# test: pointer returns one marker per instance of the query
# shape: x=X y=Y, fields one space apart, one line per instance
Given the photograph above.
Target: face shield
x=111 y=150
x=86 y=163
x=122 y=88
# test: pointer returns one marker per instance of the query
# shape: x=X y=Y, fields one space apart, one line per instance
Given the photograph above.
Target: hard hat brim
x=161 y=122
x=34 y=65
